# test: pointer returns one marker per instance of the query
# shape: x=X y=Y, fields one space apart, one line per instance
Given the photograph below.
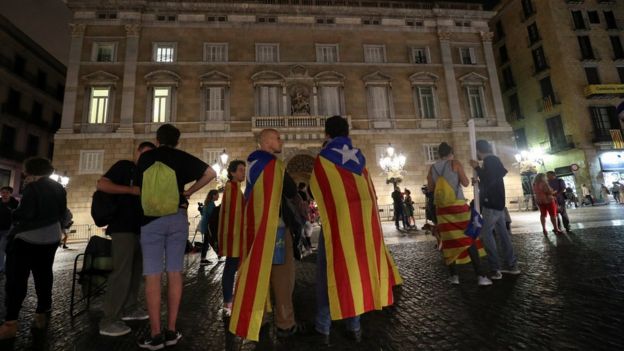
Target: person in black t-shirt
x=7 y=204
x=121 y=299
x=164 y=238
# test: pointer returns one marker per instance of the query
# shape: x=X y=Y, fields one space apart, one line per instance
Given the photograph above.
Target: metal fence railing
x=82 y=232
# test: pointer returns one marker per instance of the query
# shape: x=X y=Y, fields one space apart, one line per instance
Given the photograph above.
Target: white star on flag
x=348 y=154
x=248 y=170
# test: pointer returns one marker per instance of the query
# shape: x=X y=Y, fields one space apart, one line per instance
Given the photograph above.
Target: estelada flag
x=230 y=232
x=263 y=193
x=360 y=270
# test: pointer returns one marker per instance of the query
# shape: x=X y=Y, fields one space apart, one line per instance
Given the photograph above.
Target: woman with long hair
x=446 y=179
x=32 y=244
x=544 y=196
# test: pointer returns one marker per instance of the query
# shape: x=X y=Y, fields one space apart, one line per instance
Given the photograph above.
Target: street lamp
x=392 y=164
x=220 y=167
x=61 y=179
x=527 y=163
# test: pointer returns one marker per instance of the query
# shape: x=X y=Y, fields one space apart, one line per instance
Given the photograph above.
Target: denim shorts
x=163 y=241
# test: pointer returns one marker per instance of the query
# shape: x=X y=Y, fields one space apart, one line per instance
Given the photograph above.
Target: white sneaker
x=484 y=281
x=512 y=271
x=115 y=329
x=137 y=315
x=496 y=275
x=454 y=279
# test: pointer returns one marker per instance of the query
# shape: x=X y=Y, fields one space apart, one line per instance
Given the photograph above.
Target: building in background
x=405 y=73
x=561 y=69
x=32 y=84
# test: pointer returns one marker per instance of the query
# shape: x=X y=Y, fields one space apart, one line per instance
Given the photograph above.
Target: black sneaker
x=286 y=333
x=355 y=335
x=152 y=342
x=172 y=337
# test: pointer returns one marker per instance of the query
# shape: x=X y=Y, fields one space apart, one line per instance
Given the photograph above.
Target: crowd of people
x=260 y=232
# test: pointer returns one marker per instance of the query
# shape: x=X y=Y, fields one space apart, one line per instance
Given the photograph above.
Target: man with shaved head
x=273 y=223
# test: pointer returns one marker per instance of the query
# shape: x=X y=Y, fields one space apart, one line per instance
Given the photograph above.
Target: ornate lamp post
x=220 y=167
x=392 y=165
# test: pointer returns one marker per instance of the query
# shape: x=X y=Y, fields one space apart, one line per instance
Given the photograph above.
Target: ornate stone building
x=405 y=73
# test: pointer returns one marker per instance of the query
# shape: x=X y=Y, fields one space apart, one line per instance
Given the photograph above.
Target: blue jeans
x=323 y=317
x=3 y=244
x=495 y=220
x=227 y=280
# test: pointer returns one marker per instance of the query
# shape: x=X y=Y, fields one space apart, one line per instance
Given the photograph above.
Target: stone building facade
x=566 y=104
x=223 y=71
x=31 y=90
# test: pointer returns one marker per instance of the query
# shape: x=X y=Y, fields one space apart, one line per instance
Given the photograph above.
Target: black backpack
x=103 y=208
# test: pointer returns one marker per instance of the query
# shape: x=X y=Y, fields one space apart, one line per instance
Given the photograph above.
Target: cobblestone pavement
x=570 y=295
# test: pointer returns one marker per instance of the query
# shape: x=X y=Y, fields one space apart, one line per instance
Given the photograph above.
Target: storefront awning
x=593 y=90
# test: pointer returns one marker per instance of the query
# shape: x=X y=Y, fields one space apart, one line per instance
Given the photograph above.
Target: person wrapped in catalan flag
x=355 y=272
x=230 y=230
x=270 y=227
x=447 y=177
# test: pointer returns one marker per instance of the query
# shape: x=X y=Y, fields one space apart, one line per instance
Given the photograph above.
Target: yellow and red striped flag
x=452 y=223
x=360 y=270
x=230 y=232
x=265 y=176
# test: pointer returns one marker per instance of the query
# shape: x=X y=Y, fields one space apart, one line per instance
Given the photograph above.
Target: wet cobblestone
x=570 y=295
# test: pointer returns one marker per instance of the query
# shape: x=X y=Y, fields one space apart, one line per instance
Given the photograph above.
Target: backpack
x=103 y=208
x=443 y=194
x=159 y=192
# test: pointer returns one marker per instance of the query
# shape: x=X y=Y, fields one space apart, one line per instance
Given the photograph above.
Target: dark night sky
x=45 y=21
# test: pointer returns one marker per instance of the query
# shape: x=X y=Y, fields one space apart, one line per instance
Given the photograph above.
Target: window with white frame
x=326 y=53
x=103 y=52
x=269 y=98
x=431 y=153
x=420 y=55
x=91 y=162
x=374 y=53
x=467 y=56
x=379 y=102
x=161 y=106
x=475 y=101
x=164 y=52
x=211 y=155
x=426 y=101
x=215 y=52
x=215 y=103
x=267 y=52
x=98 y=105
x=329 y=100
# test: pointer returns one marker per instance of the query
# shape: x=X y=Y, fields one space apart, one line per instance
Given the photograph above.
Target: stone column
x=129 y=78
x=499 y=110
x=450 y=80
x=315 y=110
x=71 y=83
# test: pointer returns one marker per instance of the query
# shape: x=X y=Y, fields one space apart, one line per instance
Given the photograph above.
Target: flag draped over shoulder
x=453 y=216
x=265 y=174
x=230 y=232
x=360 y=270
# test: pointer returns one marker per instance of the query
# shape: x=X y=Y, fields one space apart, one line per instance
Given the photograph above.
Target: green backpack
x=159 y=191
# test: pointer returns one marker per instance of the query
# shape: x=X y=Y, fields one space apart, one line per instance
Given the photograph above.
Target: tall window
x=467 y=56
x=534 y=35
x=215 y=103
x=593 y=17
x=508 y=79
x=610 y=19
x=426 y=101
x=420 y=55
x=326 y=53
x=527 y=8
x=380 y=104
x=161 y=107
x=592 y=75
x=616 y=44
x=103 y=52
x=269 y=98
x=556 y=134
x=475 y=100
x=164 y=52
x=514 y=107
x=521 y=139
x=330 y=100
x=374 y=53
x=32 y=145
x=577 y=19
x=267 y=52
x=587 y=53
x=539 y=59
x=98 y=107
x=8 y=137
x=215 y=52
x=547 y=89
x=603 y=120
